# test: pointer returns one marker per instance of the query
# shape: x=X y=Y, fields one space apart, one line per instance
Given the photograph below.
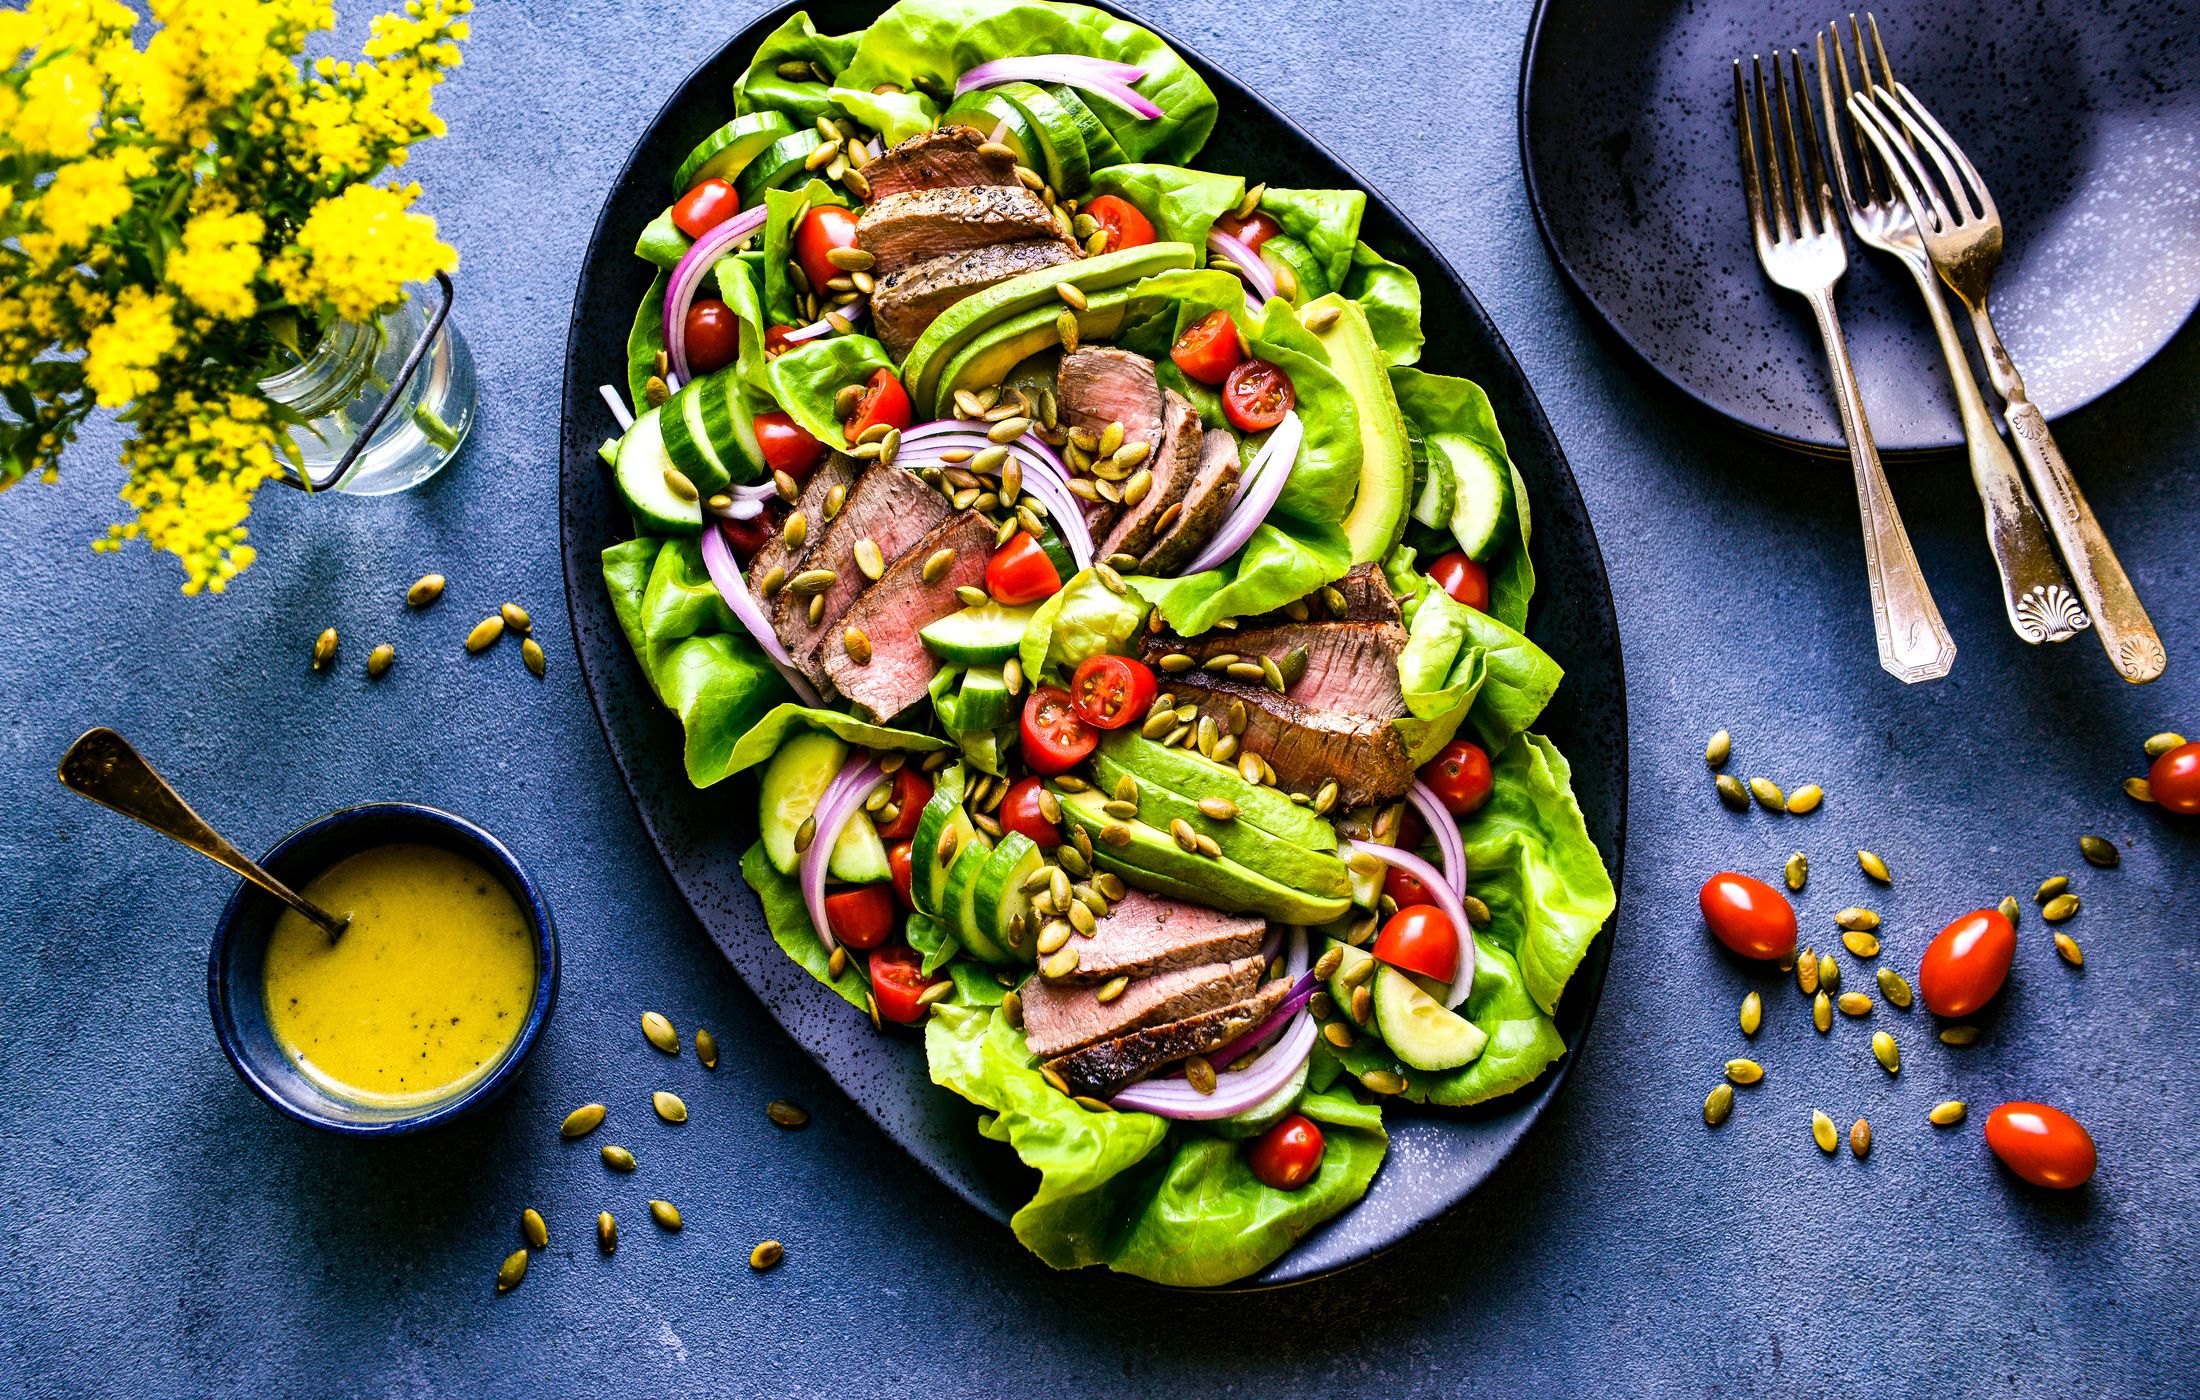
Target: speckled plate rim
x=1530 y=435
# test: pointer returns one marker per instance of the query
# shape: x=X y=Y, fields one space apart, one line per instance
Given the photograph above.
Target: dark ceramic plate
x=2083 y=116
x=1435 y=1160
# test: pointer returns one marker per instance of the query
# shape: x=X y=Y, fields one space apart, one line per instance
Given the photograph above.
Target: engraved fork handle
x=1914 y=644
x=2127 y=633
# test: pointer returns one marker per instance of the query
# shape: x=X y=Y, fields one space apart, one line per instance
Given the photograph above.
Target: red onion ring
x=1445 y=828
x=688 y=274
x=1462 y=982
x=1237 y=1090
x=1258 y=279
x=1256 y=496
x=842 y=800
x=1045 y=474
x=726 y=574
x=851 y=313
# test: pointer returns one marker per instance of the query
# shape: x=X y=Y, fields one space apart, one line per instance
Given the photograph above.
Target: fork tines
x=1792 y=172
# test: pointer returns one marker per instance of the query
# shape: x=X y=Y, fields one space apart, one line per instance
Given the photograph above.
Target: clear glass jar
x=338 y=387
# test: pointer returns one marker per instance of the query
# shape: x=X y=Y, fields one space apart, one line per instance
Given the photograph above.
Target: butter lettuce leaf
x=1084 y=618
x=761 y=89
x=1391 y=298
x=645 y=341
x=699 y=659
x=1439 y=404
x=1326 y=221
x=762 y=739
x=1529 y=857
x=783 y=211
x=789 y=920
x=805 y=379
x=662 y=245
x=1440 y=673
x=1521 y=678
x=1182 y=203
x=1284 y=559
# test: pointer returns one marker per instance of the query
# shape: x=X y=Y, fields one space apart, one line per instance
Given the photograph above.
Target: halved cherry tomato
x=903 y=865
x=1020 y=812
x=1420 y=938
x=1966 y=963
x=1405 y=890
x=1253 y=230
x=1111 y=691
x=745 y=537
x=911 y=791
x=1748 y=915
x=1125 y=226
x=1288 y=1155
x=1020 y=572
x=2045 y=1146
x=897 y=981
x=823 y=229
x=2175 y=778
x=1055 y=738
x=883 y=401
x=861 y=917
x=787 y=446
x=713 y=336
x=1256 y=395
x=775 y=339
x=705 y=207
x=1460 y=777
x=1210 y=349
x=1466 y=581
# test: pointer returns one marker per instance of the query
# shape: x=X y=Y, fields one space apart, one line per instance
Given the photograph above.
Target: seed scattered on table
x=1874 y=867
x=1860 y=943
x=706 y=1049
x=767 y=1255
x=660 y=1032
x=1854 y=918
x=582 y=1121
x=324 y=649
x=516 y=618
x=425 y=590
x=787 y=1113
x=530 y=651
x=1821 y=1013
x=511 y=1271
x=1886 y=1052
x=2060 y=908
x=1860 y=1139
x=1721 y=747
x=2050 y=887
x=1753 y=1012
x=2009 y=909
x=1854 y=1004
x=617 y=1158
x=2099 y=852
x=1805 y=799
x=1797 y=871
x=1895 y=988
x=2068 y=947
x=1768 y=794
x=485 y=634
x=669 y=1106
x=1948 y=1113
x=2162 y=743
x=1718 y=1104
x=1744 y=1071
x=666 y=1214
x=1824 y=1133
x=607 y=1233
x=533 y=1228
x=380 y=660
x=1959 y=1036
x=1731 y=792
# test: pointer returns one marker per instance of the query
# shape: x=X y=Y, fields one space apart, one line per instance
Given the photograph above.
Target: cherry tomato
x=1253 y=230
x=903 y=865
x=2045 y=1146
x=1748 y=915
x=775 y=339
x=1209 y=350
x=705 y=207
x=1256 y=395
x=1420 y=938
x=861 y=917
x=1020 y=812
x=1411 y=829
x=1125 y=226
x=1466 y=581
x=1288 y=1155
x=745 y=537
x=1460 y=777
x=1111 y=691
x=897 y=980
x=1055 y=739
x=823 y=229
x=787 y=446
x=713 y=336
x=1405 y=890
x=883 y=401
x=2175 y=778
x=911 y=791
x=1020 y=572
x=1966 y=963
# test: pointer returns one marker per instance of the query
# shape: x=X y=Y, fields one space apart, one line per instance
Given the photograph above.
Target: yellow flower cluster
x=358 y=250
x=209 y=55
x=194 y=469
x=219 y=259
x=120 y=355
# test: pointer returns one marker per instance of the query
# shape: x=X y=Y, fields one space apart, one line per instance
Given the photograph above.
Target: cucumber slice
x=726 y=152
x=928 y=882
x=1350 y=957
x=732 y=426
x=780 y=163
x=988 y=112
x=1002 y=910
x=793 y=782
x=957 y=902
x=1057 y=551
x=687 y=429
x=1417 y=1028
x=641 y=479
x=984 y=701
x=1299 y=275
x=984 y=635
x=859 y=856
x=1439 y=488
x=1068 y=166
x=1482 y=510
x=1100 y=145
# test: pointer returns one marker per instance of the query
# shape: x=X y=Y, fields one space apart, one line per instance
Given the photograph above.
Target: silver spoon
x=103 y=767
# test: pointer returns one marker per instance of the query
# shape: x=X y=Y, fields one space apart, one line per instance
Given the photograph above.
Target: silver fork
x=1806 y=255
x=2035 y=590
x=1962 y=233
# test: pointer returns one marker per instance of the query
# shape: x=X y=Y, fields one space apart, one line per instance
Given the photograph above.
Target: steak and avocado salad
x=1127 y=634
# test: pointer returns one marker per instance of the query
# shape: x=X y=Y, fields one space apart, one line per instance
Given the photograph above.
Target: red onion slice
x=1447 y=900
x=842 y=800
x=1257 y=494
x=1103 y=78
x=1238 y=1090
x=725 y=572
x=1445 y=828
x=688 y=274
x=1045 y=474
x=851 y=313
x=620 y=414
x=1258 y=279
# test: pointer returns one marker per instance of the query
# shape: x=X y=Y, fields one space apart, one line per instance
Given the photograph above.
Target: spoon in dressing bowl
x=102 y=766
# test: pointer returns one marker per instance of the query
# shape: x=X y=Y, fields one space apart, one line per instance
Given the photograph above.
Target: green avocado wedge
x=1286 y=862
x=989 y=356
x=1379 y=510
x=1151 y=859
x=1186 y=771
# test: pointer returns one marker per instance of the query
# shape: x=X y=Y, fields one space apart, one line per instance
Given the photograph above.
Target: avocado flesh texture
x=1194 y=774
x=1378 y=518
x=1316 y=872
x=989 y=357
x=1152 y=860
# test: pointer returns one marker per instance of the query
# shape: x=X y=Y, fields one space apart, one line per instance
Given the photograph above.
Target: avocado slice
x=1151 y=859
x=992 y=353
x=1190 y=772
x=974 y=314
x=1284 y=861
x=1378 y=518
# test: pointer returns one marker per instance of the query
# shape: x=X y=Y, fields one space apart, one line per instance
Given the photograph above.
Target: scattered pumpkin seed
x=511 y=1271
x=2050 y=887
x=2138 y=789
x=1339 y=1034
x=1477 y=912
x=1198 y=1072
x=812 y=583
x=607 y=1233
x=666 y=1214
x=2061 y=907
x=1959 y=1036
x=1854 y=918
x=1062 y=964
x=1383 y=1081
x=805 y=834
x=1054 y=1078
x=516 y=618
x=1886 y=1052
x=485 y=634
x=681 y=486
x=767 y=1255
x=1864 y=945
x=706 y=1049
x=1806 y=971
x=1824 y=1133
x=1744 y=1071
x=669 y=1106
x=1829 y=973
x=1947 y=1113
x=1895 y=988
x=380 y=660
x=1821 y=1013
x=1716 y=752
x=1718 y=1104
x=1854 y=1004
x=868 y=558
x=1753 y=1013
x=425 y=590
x=950 y=839
x=534 y=1229
x=2162 y=743
x=787 y=1113
x=2099 y=852
x=617 y=1158
x=582 y=1121
x=1325 y=797
x=857 y=643
x=1860 y=1139
x=1797 y=870
x=324 y=649
x=1325 y=966
x=1874 y=867
x=530 y=652
x=1805 y=799
x=2009 y=909
x=660 y=1032
x=1012 y=1007
x=2068 y=947
x=1768 y=794
x=1731 y=792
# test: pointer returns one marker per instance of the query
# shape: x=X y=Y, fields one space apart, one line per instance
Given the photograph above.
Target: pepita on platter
x=380 y=660
x=2162 y=743
x=1855 y=918
x=1821 y=1013
x=425 y=590
x=324 y=649
x=1806 y=971
x=530 y=653
x=1829 y=973
x=516 y=618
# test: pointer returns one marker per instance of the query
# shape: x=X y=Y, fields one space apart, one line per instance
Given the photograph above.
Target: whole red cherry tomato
x=713 y=336
x=823 y=229
x=1288 y=1155
x=1210 y=349
x=1460 y=777
x=787 y=447
x=2045 y=1146
x=1111 y=691
x=861 y=917
x=1020 y=811
x=1256 y=395
x=883 y=401
x=705 y=207
x=1055 y=738
x=1121 y=220
x=903 y=865
x=2175 y=778
x=1020 y=572
x=1420 y=938
x=1966 y=963
x=911 y=791
x=1403 y=889
x=1748 y=915
x=745 y=537
x=1253 y=230
x=897 y=981
x=1466 y=581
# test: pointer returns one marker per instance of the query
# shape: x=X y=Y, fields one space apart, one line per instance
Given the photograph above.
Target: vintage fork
x=1806 y=255
x=1962 y=234
x=2035 y=590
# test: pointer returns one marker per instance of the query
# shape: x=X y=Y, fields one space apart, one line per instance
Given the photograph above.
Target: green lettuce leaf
x=762 y=739
x=626 y=568
x=645 y=342
x=1327 y=473
x=701 y=662
x=805 y=379
x=789 y=920
x=1085 y=618
x=761 y=89
x=662 y=244
x=1326 y=221
x=1512 y=582
x=1284 y=559
x=1391 y=297
x=1439 y=673
x=784 y=210
x=1521 y=678
x=1183 y=204
x=931 y=938
x=1529 y=857
x=895 y=116
x=1438 y=404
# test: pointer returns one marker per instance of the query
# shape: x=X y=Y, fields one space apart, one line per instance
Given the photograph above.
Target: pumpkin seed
x=1753 y=1013
x=857 y=643
x=774 y=578
x=1185 y=836
x=1110 y=885
x=1325 y=797
x=1854 y=1004
x=617 y=1158
x=805 y=834
x=1716 y=752
x=677 y=482
x=1220 y=809
x=1731 y=792
x=582 y=1121
x=2009 y=909
x=660 y=1032
x=1175 y=662
x=1959 y=1036
x=1325 y=966
x=1947 y=1113
x=1110 y=989
x=655 y=392
x=1874 y=867
x=1768 y=794
x=485 y=634
x=425 y=590
x=1853 y=918
x=534 y=1229
x=1895 y=988
x=2051 y=887
x=834 y=500
x=516 y=618
x=324 y=649
x=2099 y=852
x=1806 y=971
x=950 y=839
x=1805 y=799
x=2068 y=947
x=2162 y=743
x=1383 y=1081
x=767 y=1255
x=706 y=1049
x=1339 y=1034
x=1249 y=768
x=511 y=1271
x=1718 y=1104
x=1081 y=919
x=380 y=660
x=787 y=1113
x=1824 y=1133
x=1060 y=965
x=2061 y=907
x=1070 y=293
x=1860 y=1139
x=607 y=1233
x=1797 y=870
x=1110 y=579
x=868 y=558
x=1829 y=973
x=1886 y=1052
x=2138 y=789
x=1198 y=1072
x=669 y=1106
x=530 y=651
x=1744 y=1071
x=666 y=1214
x=1333 y=599
x=1478 y=913
x=1862 y=944
x=796 y=530
x=1821 y=1013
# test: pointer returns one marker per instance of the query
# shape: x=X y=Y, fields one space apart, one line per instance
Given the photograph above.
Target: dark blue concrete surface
x=164 y=1233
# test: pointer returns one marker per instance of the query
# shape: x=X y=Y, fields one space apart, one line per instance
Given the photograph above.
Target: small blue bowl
x=235 y=965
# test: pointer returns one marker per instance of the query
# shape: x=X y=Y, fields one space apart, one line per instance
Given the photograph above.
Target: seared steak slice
x=838 y=470
x=887 y=506
x=1096 y=387
x=938 y=160
x=1059 y=1018
x=1308 y=747
x=902 y=230
x=1174 y=462
x=1351 y=667
x=912 y=298
x=1101 y=1069
x=1150 y=933
x=1367 y=598
x=1206 y=502
x=892 y=611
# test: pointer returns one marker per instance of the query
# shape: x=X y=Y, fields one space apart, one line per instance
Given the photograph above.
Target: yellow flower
x=61 y=104
x=219 y=258
x=195 y=464
x=357 y=251
x=208 y=55
x=87 y=195
x=120 y=355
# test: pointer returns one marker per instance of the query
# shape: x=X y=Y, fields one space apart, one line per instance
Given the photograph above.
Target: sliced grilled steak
x=902 y=230
x=1059 y=1019
x=892 y=611
x=838 y=470
x=1367 y=597
x=1351 y=667
x=887 y=506
x=1206 y=502
x=1150 y=933
x=1174 y=462
x=1096 y=387
x=936 y=160
x=1102 y=1068
x=1307 y=747
x=912 y=298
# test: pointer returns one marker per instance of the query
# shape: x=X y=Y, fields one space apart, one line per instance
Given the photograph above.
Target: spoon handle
x=104 y=767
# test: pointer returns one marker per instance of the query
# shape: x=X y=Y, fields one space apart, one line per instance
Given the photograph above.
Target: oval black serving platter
x=1435 y=1159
